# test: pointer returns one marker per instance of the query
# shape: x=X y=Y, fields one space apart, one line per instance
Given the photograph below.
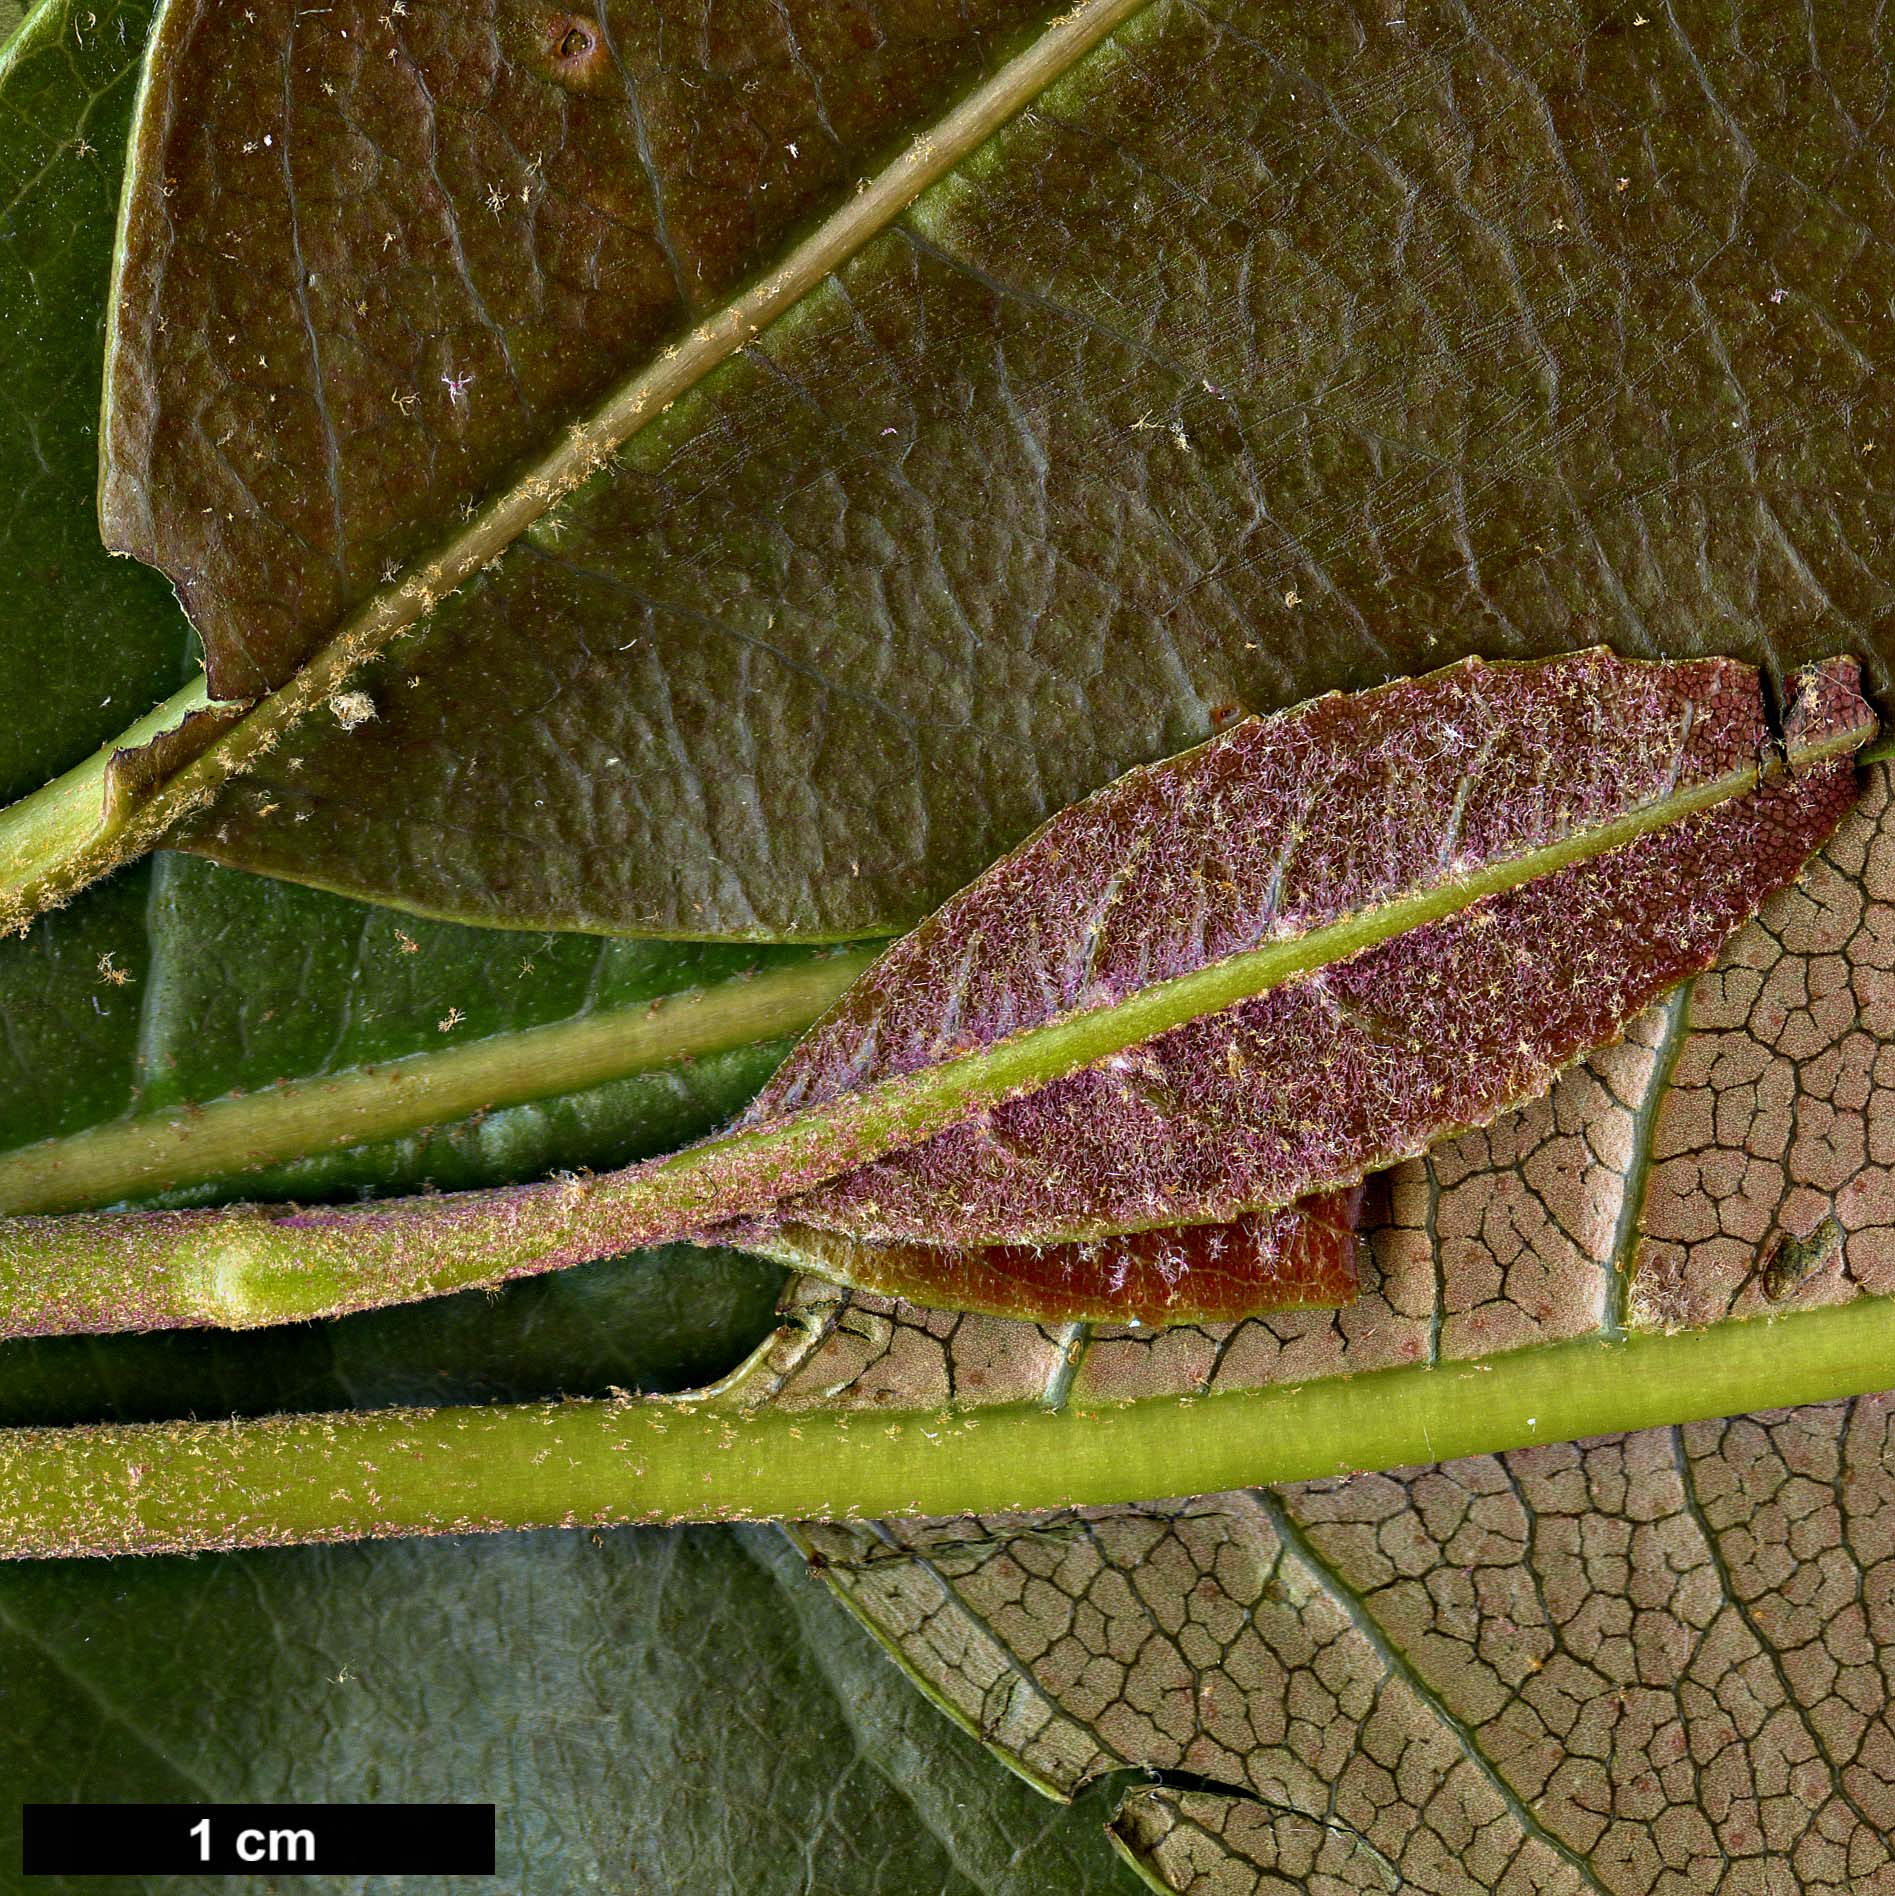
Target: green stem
x=248 y=1266
x=242 y=1132
x=67 y=833
x=183 y=1487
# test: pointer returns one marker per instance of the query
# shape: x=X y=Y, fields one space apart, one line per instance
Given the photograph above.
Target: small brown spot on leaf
x=574 y=51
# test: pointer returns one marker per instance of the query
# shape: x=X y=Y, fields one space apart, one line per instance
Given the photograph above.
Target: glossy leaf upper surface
x=1271 y=349
x=88 y=642
x=373 y=263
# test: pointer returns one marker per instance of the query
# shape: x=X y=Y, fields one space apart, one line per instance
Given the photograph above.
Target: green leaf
x=326 y=1662
x=91 y=641
x=649 y=1711
x=190 y=1032
x=1148 y=407
x=733 y=1686
x=245 y=1003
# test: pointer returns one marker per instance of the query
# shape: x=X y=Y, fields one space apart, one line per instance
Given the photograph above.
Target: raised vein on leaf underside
x=1232 y=1037
x=113 y=807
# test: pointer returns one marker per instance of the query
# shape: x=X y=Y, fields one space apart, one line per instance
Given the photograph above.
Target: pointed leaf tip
x=1223 y=984
x=1828 y=714
x=1564 y=841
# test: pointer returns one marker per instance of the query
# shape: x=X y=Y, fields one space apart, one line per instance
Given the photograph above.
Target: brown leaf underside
x=1650 y=1663
x=1303 y=1256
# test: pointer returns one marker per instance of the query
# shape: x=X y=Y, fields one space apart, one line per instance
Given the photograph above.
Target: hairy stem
x=66 y=833
x=181 y=1487
x=249 y=1266
x=186 y=1145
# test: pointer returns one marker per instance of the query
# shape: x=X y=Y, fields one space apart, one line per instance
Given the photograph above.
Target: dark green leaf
x=90 y=641
x=652 y=1713
x=1271 y=349
x=238 y=992
x=158 y=1036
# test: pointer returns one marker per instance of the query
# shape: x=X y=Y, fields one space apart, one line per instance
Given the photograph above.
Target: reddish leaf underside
x=1056 y=1203
x=1303 y=1256
x=1281 y=826
x=1261 y=971
x=1328 y=1077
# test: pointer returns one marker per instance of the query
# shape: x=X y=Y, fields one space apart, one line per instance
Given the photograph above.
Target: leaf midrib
x=896 y=1112
x=54 y=841
x=187 y=1145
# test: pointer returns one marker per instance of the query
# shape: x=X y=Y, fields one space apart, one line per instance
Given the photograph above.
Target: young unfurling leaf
x=1307 y=831
x=1223 y=985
